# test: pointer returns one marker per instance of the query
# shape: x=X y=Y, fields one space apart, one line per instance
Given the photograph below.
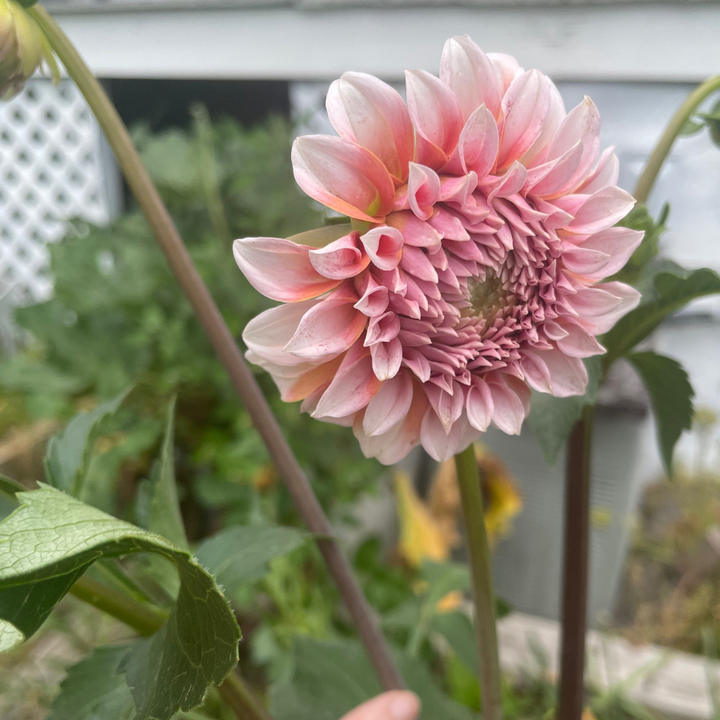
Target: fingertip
x=404 y=706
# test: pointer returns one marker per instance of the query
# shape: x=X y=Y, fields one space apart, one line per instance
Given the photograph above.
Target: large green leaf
x=49 y=542
x=241 y=554
x=640 y=219
x=551 y=418
x=96 y=689
x=671 y=394
x=457 y=629
x=68 y=453
x=331 y=678
x=672 y=292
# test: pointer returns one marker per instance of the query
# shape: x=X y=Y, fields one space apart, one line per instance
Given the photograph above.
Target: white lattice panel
x=53 y=166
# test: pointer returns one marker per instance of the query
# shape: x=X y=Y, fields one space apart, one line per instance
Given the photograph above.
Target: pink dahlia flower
x=483 y=227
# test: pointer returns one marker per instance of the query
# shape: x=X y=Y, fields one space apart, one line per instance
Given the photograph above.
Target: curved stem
x=225 y=346
x=483 y=594
x=147 y=620
x=673 y=129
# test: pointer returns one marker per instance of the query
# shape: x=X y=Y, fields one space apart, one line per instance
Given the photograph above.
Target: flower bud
x=22 y=49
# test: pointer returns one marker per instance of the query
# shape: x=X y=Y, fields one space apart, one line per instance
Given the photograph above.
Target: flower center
x=488 y=296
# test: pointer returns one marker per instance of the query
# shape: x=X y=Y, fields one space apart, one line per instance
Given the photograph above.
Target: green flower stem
x=673 y=129
x=225 y=347
x=483 y=594
x=147 y=620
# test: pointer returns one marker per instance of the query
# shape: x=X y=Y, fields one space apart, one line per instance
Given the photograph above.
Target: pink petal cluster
x=483 y=227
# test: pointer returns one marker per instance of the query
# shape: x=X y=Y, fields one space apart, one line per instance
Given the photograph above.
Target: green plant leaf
x=551 y=418
x=691 y=127
x=671 y=394
x=331 y=678
x=9 y=488
x=241 y=554
x=95 y=688
x=49 y=542
x=457 y=629
x=672 y=292
x=712 y=120
x=640 y=219
x=68 y=453
x=162 y=505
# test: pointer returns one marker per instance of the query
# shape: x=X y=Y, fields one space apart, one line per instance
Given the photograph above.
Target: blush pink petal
x=506 y=67
x=369 y=112
x=436 y=115
x=606 y=173
x=328 y=328
x=583 y=260
x=617 y=242
x=423 y=190
x=525 y=107
x=280 y=269
x=479 y=143
x=628 y=299
x=479 y=405
x=508 y=408
x=384 y=246
x=267 y=334
x=440 y=446
x=568 y=375
x=578 y=342
x=601 y=211
x=387 y=359
x=343 y=176
x=415 y=232
x=389 y=406
x=374 y=297
x=353 y=387
x=343 y=258
x=470 y=74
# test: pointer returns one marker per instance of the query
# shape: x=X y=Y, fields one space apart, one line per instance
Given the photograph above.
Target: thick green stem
x=673 y=129
x=225 y=347
x=479 y=558
x=147 y=620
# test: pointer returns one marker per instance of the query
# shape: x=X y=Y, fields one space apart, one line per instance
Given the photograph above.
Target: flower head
x=483 y=228
x=22 y=48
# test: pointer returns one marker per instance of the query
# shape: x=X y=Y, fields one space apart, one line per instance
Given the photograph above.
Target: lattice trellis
x=53 y=166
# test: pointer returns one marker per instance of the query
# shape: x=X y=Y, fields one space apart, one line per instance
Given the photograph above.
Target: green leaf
x=49 y=542
x=672 y=292
x=691 y=127
x=457 y=629
x=671 y=394
x=443 y=578
x=241 y=554
x=68 y=453
x=332 y=678
x=713 y=122
x=551 y=418
x=640 y=219
x=163 y=512
x=95 y=688
x=9 y=488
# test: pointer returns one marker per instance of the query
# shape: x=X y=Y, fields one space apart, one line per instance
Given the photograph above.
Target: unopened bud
x=23 y=47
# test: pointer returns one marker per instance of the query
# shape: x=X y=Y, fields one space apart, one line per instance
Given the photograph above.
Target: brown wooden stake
x=575 y=569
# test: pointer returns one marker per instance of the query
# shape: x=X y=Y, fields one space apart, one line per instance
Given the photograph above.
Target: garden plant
x=475 y=264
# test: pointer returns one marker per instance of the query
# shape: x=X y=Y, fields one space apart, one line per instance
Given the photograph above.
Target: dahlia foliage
x=482 y=229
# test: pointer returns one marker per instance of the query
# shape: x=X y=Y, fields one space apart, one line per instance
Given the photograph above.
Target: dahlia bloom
x=482 y=228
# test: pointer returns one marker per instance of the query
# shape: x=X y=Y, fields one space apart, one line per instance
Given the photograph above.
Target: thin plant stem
x=575 y=569
x=673 y=129
x=483 y=595
x=147 y=620
x=225 y=347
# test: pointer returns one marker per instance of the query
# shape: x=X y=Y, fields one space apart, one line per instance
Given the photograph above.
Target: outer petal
x=627 y=299
x=470 y=74
x=601 y=211
x=436 y=115
x=267 y=334
x=567 y=376
x=280 y=269
x=479 y=405
x=341 y=259
x=525 y=107
x=479 y=143
x=617 y=242
x=508 y=408
x=389 y=406
x=579 y=342
x=343 y=176
x=507 y=69
x=330 y=327
x=387 y=358
x=354 y=385
x=423 y=190
x=606 y=173
x=440 y=445
x=369 y=112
